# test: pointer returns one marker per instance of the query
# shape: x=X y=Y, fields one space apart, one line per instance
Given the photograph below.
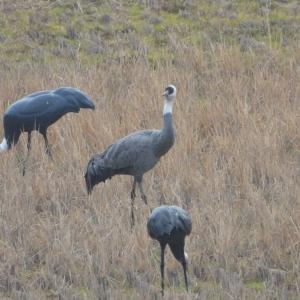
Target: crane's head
x=170 y=92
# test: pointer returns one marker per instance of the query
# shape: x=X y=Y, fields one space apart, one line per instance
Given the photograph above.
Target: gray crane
x=38 y=111
x=170 y=225
x=134 y=154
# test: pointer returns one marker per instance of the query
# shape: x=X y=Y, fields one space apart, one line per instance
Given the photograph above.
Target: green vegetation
x=95 y=31
x=256 y=285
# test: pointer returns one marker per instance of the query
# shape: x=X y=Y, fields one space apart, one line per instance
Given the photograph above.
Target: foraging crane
x=170 y=225
x=134 y=154
x=38 y=111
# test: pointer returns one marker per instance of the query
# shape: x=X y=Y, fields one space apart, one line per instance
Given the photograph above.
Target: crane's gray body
x=39 y=110
x=169 y=223
x=132 y=155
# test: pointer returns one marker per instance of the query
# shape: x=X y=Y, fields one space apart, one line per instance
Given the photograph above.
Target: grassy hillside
x=234 y=166
x=93 y=31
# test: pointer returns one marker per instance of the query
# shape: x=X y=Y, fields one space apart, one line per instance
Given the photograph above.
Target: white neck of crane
x=168 y=107
x=4 y=145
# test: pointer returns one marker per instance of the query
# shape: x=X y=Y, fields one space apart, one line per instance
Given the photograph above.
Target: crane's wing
x=60 y=102
x=160 y=222
x=120 y=157
x=125 y=152
x=182 y=220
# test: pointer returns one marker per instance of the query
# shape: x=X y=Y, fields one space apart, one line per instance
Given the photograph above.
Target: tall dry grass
x=234 y=167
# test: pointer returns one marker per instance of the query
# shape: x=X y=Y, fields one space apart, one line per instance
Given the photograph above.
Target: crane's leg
x=132 y=195
x=184 y=265
x=28 y=151
x=162 y=265
x=48 y=151
x=140 y=184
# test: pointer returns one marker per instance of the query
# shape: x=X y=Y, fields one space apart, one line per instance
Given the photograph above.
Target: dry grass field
x=235 y=167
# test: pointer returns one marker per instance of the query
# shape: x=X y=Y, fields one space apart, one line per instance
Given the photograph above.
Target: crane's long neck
x=168 y=107
x=167 y=136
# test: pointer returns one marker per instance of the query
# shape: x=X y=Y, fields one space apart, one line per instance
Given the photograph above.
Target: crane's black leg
x=132 y=194
x=162 y=265
x=48 y=151
x=28 y=151
x=184 y=265
x=140 y=184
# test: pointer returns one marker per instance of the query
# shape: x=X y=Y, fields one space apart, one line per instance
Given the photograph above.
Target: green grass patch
x=205 y=285
x=258 y=286
x=131 y=25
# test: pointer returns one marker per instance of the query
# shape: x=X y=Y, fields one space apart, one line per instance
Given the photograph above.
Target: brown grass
x=234 y=167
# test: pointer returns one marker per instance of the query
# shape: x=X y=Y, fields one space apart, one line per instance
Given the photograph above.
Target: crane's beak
x=165 y=93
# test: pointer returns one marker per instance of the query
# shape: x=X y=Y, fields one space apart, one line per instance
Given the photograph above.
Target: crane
x=170 y=225
x=134 y=154
x=38 y=111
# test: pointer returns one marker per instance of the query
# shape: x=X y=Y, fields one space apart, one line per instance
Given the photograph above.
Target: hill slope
x=93 y=31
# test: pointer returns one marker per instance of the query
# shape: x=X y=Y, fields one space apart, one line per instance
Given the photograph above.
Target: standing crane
x=134 y=154
x=38 y=111
x=170 y=225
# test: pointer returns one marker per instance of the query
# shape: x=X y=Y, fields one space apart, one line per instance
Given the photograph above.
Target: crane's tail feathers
x=90 y=177
x=96 y=173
